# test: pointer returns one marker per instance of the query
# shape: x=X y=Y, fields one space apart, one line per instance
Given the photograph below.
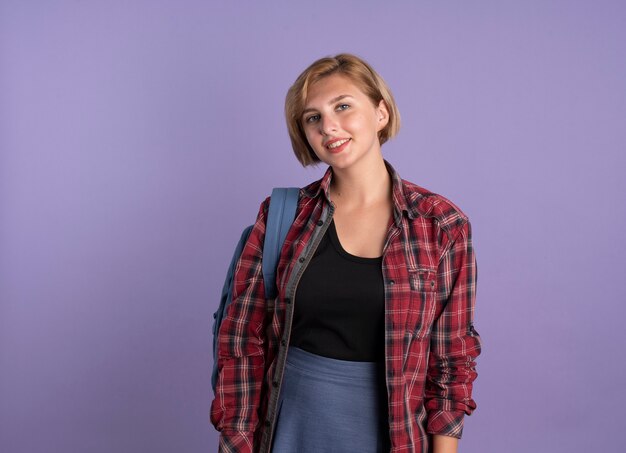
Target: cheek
x=362 y=124
x=315 y=144
x=311 y=141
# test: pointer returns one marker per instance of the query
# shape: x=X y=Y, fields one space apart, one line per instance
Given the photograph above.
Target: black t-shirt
x=340 y=305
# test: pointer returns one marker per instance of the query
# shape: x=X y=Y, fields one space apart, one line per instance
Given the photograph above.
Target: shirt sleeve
x=455 y=344
x=235 y=442
x=241 y=358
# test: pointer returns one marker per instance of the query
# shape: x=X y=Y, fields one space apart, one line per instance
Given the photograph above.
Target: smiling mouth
x=338 y=143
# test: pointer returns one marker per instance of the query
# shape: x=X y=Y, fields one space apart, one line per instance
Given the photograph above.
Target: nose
x=328 y=124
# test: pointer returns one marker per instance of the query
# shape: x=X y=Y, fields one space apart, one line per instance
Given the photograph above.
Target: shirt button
x=301 y=260
x=275 y=384
x=392 y=282
x=287 y=300
x=283 y=342
x=320 y=222
x=267 y=423
x=432 y=284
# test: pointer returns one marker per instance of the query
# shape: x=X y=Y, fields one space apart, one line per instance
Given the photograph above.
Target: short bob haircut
x=361 y=74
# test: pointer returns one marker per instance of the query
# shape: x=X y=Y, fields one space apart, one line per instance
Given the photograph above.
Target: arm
x=241 y=364
x=454 y=342
x=445 y=444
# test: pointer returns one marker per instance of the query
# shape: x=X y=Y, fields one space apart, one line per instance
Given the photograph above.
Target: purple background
x=138 y=138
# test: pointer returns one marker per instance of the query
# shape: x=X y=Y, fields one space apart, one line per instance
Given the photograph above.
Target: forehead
x=329 y=87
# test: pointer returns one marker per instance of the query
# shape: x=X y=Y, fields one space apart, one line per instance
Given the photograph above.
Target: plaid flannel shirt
x=429 y=270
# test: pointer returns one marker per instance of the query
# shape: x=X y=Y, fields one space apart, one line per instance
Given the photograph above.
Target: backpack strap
x=282 y=212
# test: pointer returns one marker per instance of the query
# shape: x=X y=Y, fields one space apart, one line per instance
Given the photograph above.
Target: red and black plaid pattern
x=429 y=270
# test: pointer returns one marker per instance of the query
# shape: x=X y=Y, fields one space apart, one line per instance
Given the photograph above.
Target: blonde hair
x=361 y=74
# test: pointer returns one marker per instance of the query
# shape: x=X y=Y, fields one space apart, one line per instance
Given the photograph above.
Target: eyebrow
x=332 y=101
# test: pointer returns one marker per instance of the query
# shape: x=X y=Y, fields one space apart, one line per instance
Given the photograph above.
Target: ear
x=382 y=113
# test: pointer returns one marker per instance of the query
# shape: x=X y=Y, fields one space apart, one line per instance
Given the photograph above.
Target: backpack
x=281 y=214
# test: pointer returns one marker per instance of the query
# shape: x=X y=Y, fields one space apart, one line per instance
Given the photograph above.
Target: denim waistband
x=326 y=366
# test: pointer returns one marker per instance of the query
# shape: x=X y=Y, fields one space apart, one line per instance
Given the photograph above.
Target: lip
x=339 y=148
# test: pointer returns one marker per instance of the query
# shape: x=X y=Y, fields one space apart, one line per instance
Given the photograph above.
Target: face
x=341 y=122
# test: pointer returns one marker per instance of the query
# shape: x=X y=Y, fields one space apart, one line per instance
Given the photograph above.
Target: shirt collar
x=399 y=197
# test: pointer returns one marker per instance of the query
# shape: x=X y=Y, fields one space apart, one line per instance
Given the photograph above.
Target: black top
x=340 y=304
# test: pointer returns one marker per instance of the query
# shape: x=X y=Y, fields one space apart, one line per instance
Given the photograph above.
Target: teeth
x=336 y=144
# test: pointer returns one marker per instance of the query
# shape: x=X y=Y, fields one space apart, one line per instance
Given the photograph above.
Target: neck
x=363 y=186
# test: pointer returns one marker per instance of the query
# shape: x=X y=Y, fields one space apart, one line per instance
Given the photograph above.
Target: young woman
x=371 y=345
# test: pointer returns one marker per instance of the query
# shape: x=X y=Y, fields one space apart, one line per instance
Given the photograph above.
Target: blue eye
x=311 y=119
x=343 y=106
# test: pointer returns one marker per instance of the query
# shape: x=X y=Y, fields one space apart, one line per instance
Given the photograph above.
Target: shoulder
x=305 y=193
x=423 y=204
x=312 y=189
